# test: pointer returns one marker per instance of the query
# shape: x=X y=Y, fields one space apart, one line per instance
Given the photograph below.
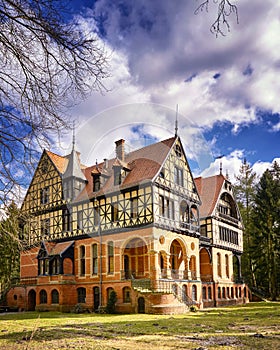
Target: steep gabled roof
x=53 y=248
x=59 y=161
x=209 y=190
x=142 y=165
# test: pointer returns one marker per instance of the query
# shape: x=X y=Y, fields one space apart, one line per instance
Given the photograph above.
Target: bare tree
x=47 y=63
x=225 y=9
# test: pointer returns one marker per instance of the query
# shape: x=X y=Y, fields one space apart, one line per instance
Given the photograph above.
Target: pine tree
x=244 y=193
x=266 y=245
x=9 y=246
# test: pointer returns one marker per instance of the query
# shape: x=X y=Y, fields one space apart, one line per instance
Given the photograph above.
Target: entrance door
x=31 y=300
x=96 y=298
x=141 y=305
x=126 y=267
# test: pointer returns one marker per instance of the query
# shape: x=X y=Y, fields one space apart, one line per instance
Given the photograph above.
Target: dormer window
x=96 y=183
x=117 y=176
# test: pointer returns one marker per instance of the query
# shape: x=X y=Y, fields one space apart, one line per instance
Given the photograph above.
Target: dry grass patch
x=254 y=326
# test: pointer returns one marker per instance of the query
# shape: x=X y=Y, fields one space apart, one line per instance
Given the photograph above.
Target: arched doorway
x=205 y=266
x=141 y=305
x=135 y=258
x=31 y=304
x=177 y=262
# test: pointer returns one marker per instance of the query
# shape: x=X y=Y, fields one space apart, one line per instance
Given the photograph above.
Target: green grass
x=254 y=326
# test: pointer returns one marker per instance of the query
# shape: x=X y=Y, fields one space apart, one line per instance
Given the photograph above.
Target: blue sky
x=161 y=56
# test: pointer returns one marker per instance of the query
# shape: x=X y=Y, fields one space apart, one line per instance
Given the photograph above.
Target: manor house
x=138 y=224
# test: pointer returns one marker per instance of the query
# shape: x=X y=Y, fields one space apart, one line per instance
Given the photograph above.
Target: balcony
x=229 y=218
x=189 y=226
x=178 y=274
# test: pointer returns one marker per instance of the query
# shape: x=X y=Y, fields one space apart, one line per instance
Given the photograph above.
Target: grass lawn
x=253 y=326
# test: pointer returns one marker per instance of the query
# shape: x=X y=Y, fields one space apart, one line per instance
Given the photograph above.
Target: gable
x=46 y=179
x=175 y=172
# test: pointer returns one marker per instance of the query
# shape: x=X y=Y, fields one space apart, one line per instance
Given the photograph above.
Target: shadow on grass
x=221 y=322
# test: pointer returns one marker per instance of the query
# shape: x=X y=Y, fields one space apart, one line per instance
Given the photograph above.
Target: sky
x=166 y=64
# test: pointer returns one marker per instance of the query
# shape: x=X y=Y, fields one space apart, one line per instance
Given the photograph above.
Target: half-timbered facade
x=138 y=224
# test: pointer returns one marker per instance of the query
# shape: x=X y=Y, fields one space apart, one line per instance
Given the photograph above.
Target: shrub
x=111 y=304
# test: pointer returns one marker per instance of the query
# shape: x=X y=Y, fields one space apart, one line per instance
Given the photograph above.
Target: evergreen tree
x=266 y=245
x=9 y=246
x=244 y=193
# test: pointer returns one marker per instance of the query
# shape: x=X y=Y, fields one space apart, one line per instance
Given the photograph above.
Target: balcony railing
x=189 y=226
x=178 y=274
x=228 y=217
x=131 y=274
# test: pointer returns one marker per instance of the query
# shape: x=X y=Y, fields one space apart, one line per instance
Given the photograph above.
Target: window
x=219 y=292
x=209 y=293
x=82 y=260
x=117 y=176
x=55 y=266
x=81 y=295
x=44 y=195
x=227 y=265
x=178 y=151
x=178 y=176
x=204 y=293
x=43 y=266
x=203 y=230
x=45 y=227
x=219 y=266
x=232 y=292
x=94 y=259
x=66 y=223
x=96 y=183
x=224 y=292
x=194 y=292
x=133 y=208
x=80 y=220
x=110 y=248
x=114 y=212
x=43 y=297
x=126 y=295
x=55 y=296
x=166 y=207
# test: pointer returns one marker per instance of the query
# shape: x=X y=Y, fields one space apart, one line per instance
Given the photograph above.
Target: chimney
x=120 y=149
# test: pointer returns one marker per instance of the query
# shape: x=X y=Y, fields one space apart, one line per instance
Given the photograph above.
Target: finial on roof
x=221 y=164
x=176 y=121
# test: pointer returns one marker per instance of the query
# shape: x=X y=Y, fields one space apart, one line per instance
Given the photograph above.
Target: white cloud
x=156 y=46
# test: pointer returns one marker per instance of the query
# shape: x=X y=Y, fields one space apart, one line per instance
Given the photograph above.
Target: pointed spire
x=176 y=121
x=73 y=137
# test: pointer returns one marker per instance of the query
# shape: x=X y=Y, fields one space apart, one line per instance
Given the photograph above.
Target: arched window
x=219 y=266
x=43 y=297
x=192 y=266
x=55 y=296
x=227 y=265
x=194 y=292
x=110 y=248
x=81 y=295
x=204 y=293
x=126 y=295
x=94 y=259
x=82 y=260
x=184 y=212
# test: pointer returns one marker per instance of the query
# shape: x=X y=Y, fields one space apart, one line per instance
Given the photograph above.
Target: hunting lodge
x=138 y=224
